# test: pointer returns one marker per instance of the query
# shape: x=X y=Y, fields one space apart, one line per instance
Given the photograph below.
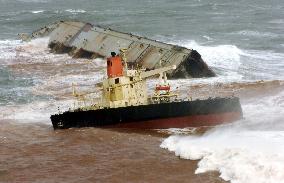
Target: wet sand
x=37 y=153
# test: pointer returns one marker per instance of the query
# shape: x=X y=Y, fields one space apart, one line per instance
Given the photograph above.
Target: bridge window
x=116 y=81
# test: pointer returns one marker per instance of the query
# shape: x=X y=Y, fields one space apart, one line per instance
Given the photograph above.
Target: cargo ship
x=126 y=104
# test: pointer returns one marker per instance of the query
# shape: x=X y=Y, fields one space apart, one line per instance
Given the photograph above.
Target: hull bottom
x=208 y=120
x=210 y=112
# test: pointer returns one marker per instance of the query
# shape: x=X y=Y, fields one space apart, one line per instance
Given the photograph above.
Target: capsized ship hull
x=198 y=113
x=84 y=40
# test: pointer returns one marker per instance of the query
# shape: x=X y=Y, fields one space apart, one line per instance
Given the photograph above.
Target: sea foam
x=248 y=151
x=232 y=63
x=37 y=11
x=73 y=11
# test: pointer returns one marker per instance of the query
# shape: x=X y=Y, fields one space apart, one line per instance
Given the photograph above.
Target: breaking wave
x=37 y=82
x=75 y=11
x=256 y=34
x=7 y=50
x=248 y=151
x=225 y=60
x=37 y=11
x=232 y=63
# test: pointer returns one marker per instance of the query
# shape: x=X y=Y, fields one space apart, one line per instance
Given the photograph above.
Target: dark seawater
x=242 y=41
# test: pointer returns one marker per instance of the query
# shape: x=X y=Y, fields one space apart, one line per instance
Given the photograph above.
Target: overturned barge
x=125 y=103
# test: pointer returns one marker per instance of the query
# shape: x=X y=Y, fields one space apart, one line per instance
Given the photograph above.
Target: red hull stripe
x=185 y=121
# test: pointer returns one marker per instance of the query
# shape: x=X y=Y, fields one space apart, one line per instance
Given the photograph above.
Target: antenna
x=165 y=78
x=74 y=93
x=90 y=62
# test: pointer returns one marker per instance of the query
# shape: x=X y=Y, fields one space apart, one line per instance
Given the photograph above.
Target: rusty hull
x=84 y=40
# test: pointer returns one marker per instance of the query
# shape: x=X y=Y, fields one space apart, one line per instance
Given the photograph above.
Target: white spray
x=247 y=151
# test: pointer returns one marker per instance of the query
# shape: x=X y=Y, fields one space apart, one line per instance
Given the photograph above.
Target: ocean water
x=242 y=41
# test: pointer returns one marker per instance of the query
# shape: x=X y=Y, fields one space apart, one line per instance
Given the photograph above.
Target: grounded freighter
x=125 y=103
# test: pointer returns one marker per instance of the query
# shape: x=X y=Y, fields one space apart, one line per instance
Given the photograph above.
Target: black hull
x=207 y=112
